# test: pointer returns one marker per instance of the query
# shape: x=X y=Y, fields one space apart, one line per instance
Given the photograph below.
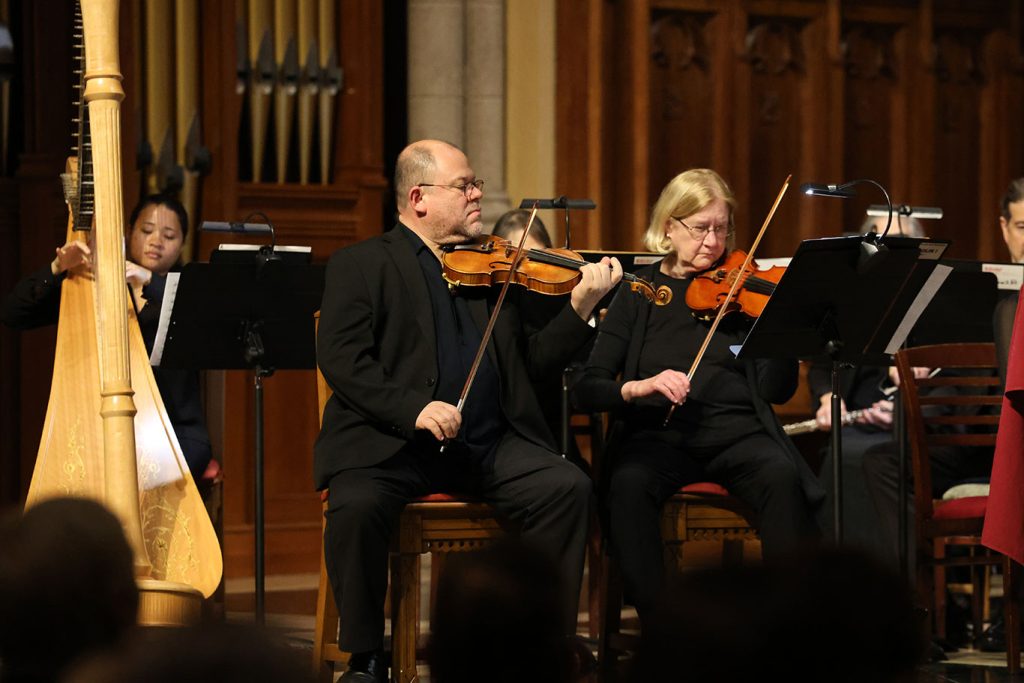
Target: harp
x=107 y=434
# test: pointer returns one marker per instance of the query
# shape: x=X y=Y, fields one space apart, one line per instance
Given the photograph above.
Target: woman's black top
x=719 y=409
x=729 y=399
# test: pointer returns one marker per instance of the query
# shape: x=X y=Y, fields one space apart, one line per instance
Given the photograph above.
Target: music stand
x=826 y=308
x=247 y=311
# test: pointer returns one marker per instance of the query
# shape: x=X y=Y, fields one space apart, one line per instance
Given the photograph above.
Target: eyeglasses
x=464 y=188
x=700 y=232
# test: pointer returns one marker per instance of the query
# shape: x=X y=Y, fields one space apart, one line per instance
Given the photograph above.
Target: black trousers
x=646 y=473
x=949 y=466
x=550 y=498
x=861 y=525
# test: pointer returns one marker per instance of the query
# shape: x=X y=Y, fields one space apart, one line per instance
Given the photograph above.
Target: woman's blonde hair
x=685 y=195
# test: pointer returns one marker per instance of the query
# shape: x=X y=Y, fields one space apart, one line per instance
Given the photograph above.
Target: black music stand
x=825 y=308
x=249 y=311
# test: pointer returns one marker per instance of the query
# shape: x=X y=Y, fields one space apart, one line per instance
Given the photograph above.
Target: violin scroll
x=659 y=297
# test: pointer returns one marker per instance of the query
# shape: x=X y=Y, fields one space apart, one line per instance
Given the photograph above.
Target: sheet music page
x=921 y=301
x=166 y=307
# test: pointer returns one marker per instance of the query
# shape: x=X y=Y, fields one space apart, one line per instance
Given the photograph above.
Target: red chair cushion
x=961 y=508
x=213 y=472
x=440 y=498
x=429 y=498
x=704 y=488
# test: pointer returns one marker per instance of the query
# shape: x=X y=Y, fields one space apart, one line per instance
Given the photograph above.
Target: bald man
x=395 y=346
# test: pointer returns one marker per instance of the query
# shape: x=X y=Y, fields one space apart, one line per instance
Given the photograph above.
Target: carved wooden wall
x=924 y=96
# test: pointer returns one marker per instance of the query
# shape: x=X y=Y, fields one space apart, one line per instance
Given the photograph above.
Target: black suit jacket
x=376 y=347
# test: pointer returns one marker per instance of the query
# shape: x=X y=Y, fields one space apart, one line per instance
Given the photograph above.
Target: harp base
x=166 y=603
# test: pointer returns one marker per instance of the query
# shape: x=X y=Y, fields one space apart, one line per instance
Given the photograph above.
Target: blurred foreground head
x=212 y=653
x=499 y=618
x=824 y=615
x=67 y=586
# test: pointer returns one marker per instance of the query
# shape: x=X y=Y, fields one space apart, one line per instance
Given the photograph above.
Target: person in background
x=511 y=224
x=1011 y=223
x=157 y=228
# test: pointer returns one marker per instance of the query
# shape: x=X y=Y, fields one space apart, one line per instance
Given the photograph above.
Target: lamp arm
x=888 y=202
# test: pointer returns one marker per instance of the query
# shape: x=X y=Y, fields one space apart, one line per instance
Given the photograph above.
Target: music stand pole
x=900 y=429
x=254 y=354
x=837 y=454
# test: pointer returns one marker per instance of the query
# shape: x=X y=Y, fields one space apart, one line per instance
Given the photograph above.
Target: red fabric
x=704 y=488
x=961 y=508
x=213 y=472
x=429 y=498
x=439 y=498
x=1004 y=521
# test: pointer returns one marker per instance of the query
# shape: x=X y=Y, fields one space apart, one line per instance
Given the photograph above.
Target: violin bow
x=494 y=317
x=732 y=290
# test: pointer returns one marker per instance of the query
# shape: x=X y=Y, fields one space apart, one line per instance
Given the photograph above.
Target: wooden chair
x=698 y=512
x=966 y=406
x=436 y=524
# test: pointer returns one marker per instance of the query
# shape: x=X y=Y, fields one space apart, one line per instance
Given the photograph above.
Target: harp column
x=457 y=85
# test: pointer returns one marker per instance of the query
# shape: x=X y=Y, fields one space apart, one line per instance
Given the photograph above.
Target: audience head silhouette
x=67 y=587
x=498 y=618
x=823 y=615
x=203 y=654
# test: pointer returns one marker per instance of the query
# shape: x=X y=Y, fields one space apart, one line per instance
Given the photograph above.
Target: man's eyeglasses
x=699 y=232
x=464 y=188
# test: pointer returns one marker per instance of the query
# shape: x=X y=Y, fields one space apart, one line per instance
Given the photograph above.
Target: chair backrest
x=958 y=407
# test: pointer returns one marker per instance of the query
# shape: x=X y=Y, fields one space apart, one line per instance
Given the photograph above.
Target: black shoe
x=366 y=667
x=583 y=660
x=994 y=637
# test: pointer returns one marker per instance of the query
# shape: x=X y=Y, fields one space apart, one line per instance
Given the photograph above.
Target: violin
x=708 y=291
x=489 y=261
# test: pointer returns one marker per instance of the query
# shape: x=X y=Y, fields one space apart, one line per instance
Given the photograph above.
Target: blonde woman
x=723 y=429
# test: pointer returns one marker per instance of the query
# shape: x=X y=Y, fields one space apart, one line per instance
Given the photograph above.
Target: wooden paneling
x=924 y=96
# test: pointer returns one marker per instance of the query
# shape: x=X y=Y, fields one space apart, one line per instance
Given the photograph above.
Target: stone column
x=485 y=101
x=457 y=85
x=437 y=53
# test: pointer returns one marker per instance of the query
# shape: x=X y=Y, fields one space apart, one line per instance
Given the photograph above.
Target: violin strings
x=759 y=285
x=542 y=256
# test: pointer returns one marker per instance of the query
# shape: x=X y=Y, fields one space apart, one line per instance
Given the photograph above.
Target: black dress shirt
x=458 y=339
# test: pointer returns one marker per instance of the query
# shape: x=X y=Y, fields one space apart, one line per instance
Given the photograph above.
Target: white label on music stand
x=931 y=251
x=1010 y=276
x=166 y=306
